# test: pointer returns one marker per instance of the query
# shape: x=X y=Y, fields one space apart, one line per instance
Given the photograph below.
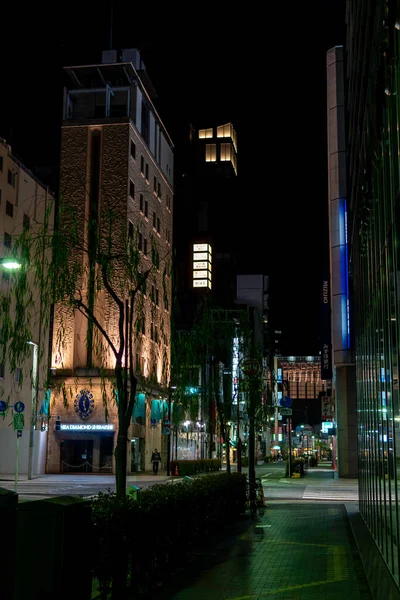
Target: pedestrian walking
x=155 y=459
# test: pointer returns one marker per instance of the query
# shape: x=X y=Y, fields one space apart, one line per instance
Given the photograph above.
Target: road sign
x=286 y=402
x=18 y=421
x=250 y=367
x=286 y=412
x=3 y=407
x=19 y=407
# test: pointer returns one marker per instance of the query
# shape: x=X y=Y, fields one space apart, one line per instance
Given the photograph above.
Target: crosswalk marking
x=319 y=493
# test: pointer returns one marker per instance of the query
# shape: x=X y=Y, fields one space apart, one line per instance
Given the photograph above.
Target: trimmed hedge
x=173 y=518
x=191 y=467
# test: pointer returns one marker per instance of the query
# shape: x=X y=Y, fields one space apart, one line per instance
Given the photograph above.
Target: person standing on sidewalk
x=155 y=459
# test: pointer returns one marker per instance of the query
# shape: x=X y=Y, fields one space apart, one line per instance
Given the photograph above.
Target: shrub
x=174 y=517
x=191 y=467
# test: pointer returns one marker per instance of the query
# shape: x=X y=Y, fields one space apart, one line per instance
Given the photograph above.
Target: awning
x=139 y=410
x=44 y=410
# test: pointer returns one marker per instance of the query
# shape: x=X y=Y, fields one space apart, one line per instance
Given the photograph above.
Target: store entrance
x=76 y=456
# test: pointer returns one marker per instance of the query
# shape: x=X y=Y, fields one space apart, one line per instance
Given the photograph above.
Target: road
x=318 y=485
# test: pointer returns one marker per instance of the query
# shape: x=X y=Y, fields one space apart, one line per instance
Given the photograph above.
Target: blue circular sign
x=84 y=404
x=286 y=402
x=19 y=407
x=3 y=406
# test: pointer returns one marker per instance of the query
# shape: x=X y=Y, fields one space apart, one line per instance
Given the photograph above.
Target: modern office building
x=24 y=203
x=368 y=209
x=116 y=170
x=338 y=285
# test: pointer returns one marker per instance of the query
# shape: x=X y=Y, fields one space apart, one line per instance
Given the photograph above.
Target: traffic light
x=58 y=424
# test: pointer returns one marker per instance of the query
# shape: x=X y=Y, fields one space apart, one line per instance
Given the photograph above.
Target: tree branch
x=86 y=312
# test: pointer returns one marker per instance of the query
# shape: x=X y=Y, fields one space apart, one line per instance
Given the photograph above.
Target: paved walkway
x=297 y=551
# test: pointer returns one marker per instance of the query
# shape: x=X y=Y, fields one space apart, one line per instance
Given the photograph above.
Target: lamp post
x=171 y=387
x=35 y=394
x=12 y=264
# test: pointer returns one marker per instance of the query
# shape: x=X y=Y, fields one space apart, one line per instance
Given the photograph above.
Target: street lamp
x=11 y=264
x=35 y=394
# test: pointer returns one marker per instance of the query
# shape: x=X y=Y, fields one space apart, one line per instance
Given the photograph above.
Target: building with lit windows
x=206 y=182
x=24 y=202
x=115 y=152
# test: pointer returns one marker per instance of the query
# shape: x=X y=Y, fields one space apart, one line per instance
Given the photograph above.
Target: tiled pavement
x=297 y=551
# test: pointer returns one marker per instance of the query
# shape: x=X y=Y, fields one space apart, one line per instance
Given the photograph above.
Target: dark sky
x=263 y=71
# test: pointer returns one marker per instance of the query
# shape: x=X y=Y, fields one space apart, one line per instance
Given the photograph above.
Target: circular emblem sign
x=84 y=404
x=19 y=407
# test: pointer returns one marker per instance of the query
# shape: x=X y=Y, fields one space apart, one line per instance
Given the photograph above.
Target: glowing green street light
x=10 y=263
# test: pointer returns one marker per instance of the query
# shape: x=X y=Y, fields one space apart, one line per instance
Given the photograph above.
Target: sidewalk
x=296 y=551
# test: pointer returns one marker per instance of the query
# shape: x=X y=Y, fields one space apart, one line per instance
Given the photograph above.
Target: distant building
x=301 y=381
x=24 y=201
x=115 y=152
x=206 y=186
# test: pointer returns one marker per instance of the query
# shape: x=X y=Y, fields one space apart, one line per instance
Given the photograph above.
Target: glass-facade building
x=373 y=168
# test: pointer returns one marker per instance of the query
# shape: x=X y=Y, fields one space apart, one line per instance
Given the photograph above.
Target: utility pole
x=289 y=431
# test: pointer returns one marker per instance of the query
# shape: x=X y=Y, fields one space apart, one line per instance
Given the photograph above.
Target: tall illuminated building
x=206 y=189
x=116 y=156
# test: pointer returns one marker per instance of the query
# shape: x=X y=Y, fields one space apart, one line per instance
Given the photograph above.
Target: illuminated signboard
x=86 y=427
x=235 y=370
x=202 y=257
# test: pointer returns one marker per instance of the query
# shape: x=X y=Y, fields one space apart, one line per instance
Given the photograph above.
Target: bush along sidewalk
x=192 y=467
x=140 y=542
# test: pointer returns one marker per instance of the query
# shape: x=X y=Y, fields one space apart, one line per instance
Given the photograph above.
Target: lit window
x=211 y=152
x=226 y=151
x=205 y=133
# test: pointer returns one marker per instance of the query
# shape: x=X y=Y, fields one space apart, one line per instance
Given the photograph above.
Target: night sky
x=263 y=72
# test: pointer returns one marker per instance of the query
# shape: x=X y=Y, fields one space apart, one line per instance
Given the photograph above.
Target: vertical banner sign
x=325 y=327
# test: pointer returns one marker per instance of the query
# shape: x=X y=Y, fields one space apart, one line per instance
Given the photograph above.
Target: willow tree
x=96 y=269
